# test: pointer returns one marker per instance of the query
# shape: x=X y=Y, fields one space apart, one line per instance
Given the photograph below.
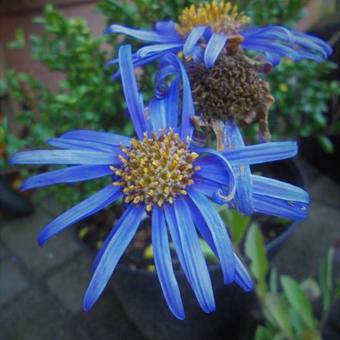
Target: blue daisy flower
x=205 y=30
x=161 y=173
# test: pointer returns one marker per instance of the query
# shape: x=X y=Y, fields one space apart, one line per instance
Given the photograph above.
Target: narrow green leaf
x=298 y=300
x=208 y=253
x=238 y=224
x=263 y=333
x=325 y=278
x=326 y=143
x=278 y=308
x=273 y=280
x=296 y=322
x=256 y=252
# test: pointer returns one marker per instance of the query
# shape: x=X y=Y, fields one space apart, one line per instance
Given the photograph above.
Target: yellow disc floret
x=219 y=16
x=155 y=170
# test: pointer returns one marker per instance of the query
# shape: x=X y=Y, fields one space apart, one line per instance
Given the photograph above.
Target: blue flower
x=161 y=173
x=204 y=31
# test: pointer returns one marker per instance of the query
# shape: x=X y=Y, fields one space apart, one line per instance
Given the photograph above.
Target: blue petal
x=193 y=38
x=158 y=114
x=265 y=186
x=204 y=211
x=243 y=195
x=172 y=106
x=187 y=102
x=277 y=207
x=261 y=153
x=215 y=46
x=126 y=229
x=98 y=137
x=150 y=36
x=86 y=208
x=64 y=157
x=163 y=263
x=140 y=62
x=185 y=238
x=72 y=174
x=311 y=42
x=149 y=51
x=264 y=45
x=242 y=277
x=227 y=192
x=76 y=144
x=132 y=96
x=270 y=32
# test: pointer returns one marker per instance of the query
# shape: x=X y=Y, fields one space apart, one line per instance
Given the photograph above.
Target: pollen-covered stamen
x=155 y=170
x=219 y=16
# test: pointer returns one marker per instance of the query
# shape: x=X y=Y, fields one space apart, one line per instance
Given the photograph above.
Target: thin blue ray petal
x=76 y=144
x=72 y=174
x=144 y=35
x=204 y=210
x=126 y=229
x=64 y=157
x=88 y=207
x=261 y=153
x=215 y=45
x=192 y=40
x=163 y=263
x=132 y=96
x=148 y=51
x=265 y=186
x=281 y=208
x=194 y=260
x=98 y=137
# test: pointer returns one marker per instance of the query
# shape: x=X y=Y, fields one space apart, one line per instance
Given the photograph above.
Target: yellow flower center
x=155 y=170
x=219 y=16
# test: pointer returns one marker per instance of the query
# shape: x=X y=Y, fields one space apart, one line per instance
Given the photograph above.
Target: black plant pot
x=328 y=163
x=12 y=203
x=140 y=294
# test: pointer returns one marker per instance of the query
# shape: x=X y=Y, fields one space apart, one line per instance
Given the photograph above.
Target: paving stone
x=35 y=316
x=20 y=237
x=107 y=320
x=301 y=255
x=326 y=191
x=3 y=252
x=48 y=203
x=310 y=172
x=12 y=281
x=70 y=283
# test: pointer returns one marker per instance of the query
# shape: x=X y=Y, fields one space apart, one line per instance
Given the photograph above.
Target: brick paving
x=41 y=289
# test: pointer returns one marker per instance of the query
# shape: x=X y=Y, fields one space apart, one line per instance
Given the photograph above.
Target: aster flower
x=204 y=31
x=161 y=173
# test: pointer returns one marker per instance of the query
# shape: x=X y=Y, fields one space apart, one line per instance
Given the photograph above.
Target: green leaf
x=278 y=308
x=326 y=143
x=19 y=41
x=236 y=222
x=325 y=278
x=263 y=333
x=208 y=253
x=298 y=300
x=256 y=252
x=273 y=279
x=296 y=322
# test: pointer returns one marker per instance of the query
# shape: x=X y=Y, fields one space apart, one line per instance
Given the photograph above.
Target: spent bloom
x=161 y=174
x=204 y=31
